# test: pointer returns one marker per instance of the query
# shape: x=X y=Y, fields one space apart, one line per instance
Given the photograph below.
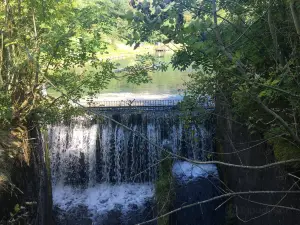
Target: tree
x=41 y=41
x=51 y=44
x=243 y=52
x=54 y=44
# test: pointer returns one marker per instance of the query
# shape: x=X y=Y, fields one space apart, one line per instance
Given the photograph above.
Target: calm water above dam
x=163 y=83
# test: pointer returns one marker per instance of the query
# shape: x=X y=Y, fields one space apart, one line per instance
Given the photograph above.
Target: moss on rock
x=285 y=150
x=164 y=189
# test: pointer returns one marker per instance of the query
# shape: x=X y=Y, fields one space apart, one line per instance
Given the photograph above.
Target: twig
x=133 y=177
x=280 y=119
x=223 y=203
x=245 y=149
x=268 y=205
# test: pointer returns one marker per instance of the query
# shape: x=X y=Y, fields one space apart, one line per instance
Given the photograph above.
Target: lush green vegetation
x=42 y=45
x=245 y=55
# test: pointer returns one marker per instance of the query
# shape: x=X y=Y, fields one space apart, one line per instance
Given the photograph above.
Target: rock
x=113 y=217
x=197 y=190
x=76 y=216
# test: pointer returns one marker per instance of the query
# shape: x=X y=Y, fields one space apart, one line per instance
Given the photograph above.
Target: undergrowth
x=164 y=189
x=284 y=150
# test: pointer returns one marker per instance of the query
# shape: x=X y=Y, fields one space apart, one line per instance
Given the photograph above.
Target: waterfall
x=100 y=163
x=87 y=152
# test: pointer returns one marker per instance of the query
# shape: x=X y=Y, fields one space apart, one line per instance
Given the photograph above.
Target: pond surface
x=164 y=85
x=169 y=82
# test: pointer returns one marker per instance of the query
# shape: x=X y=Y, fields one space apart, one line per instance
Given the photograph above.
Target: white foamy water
x=102 y=197
x=187 y=171
x=116 y=167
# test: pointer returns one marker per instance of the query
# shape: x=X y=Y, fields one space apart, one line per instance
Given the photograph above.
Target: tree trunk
x=295 y=16
x=42 y=178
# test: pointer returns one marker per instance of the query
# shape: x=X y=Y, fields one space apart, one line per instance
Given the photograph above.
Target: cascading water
x=101 y=165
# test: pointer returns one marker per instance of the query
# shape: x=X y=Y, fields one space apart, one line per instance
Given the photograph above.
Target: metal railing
x=133 y=103
x=128 y=106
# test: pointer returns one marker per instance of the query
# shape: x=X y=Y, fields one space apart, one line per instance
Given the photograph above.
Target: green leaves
x=17 y=208
x=129 y=15
x=5 y=109
x=139 y=73
x=237 y=49
x=51 y=41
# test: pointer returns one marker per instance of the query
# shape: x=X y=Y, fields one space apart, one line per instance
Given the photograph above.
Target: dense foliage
x=55 y=45
x=246 y=54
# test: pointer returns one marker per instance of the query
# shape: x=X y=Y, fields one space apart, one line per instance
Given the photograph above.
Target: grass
x=120 y=50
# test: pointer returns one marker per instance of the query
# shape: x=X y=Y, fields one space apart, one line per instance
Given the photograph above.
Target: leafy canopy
x=56 y=44
x=245 y=54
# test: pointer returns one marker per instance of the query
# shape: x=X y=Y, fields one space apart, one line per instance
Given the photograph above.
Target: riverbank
x=122 y=51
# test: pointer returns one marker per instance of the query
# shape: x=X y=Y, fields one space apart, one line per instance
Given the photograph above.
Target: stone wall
x=233 y=136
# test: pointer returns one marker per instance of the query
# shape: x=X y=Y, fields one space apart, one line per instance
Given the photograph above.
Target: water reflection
x=164 y=85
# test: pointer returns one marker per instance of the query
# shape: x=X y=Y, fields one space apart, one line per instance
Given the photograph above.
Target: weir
x=102 y=165
x=134 y=106
x=140 y=105
x=93 y=151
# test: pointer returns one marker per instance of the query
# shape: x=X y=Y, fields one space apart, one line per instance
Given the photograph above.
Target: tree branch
x=295 y=15
x=225 y=196
x=279 y=118
x=274 y=36
x=277 y=89
x=268 y=205
x=227 y=52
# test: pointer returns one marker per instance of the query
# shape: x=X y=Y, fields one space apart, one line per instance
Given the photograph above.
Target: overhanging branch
x=225 y=196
